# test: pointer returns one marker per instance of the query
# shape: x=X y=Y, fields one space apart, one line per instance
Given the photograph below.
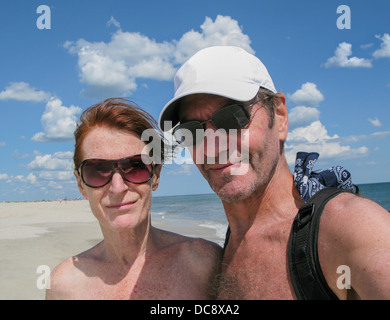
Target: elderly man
x=235 y=123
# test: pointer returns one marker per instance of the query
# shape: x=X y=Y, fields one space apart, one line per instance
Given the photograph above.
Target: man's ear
x=80 y=184
x=281 y=116
x=156 y=177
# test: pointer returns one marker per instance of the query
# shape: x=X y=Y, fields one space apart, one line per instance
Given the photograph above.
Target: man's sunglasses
x=96 y=173
x=234 y=116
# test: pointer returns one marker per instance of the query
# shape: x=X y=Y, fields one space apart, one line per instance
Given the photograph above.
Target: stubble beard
x=233 y=188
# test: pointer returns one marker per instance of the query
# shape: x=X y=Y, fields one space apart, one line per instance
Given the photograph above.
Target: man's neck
x=279 y=200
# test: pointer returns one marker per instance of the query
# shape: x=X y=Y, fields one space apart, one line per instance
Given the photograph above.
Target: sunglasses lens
x=135 y=170
x=189 y=133
x=96 y=173
x=228 y=118
x=231 y=117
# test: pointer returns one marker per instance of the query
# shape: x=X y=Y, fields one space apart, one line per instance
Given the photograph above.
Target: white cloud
x=366 y=46
x=2 y=144
x=314 y=137
x=302 y=116
x=326 y=150
x=51 y=167
x=308 y=95
x=31 y=178
x=59 y=161
x=56 y=175
x=384 y=51
x=3 y=176
x=113 y=68
x=375 y=122
x=341 y=58
x=312 y=133
x=58 y=121
x=22 y=91
x=224 y=31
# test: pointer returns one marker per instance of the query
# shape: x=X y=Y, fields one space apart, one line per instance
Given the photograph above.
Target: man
x=257 y=188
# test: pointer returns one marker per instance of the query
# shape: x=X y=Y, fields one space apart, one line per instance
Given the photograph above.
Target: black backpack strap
x=305 y=271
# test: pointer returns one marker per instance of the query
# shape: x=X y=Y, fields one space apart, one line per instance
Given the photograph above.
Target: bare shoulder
x=67 y=276
x=354 y=232
x=353 y=220
x=354 y=212
x=189 y=246
x=61 y=280
x=202 y=255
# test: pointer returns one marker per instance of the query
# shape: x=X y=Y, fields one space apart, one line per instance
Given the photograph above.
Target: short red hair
x=117 y=113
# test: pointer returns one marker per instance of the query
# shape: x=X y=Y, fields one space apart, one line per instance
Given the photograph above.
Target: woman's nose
x=118 y=184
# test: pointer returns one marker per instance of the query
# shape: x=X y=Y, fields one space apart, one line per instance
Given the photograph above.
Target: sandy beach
x=36 y=236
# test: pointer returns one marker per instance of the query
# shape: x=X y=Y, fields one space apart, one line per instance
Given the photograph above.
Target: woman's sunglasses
x=96 y=173
x=235 y=116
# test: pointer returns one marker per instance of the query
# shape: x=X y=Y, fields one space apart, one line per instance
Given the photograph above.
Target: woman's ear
x=80 y=184
x=156 y=177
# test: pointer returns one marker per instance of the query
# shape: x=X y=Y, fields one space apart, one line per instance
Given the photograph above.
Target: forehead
x=197 y=106
x=109 y=143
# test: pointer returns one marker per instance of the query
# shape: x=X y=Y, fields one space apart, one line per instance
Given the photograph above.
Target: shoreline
x=34 y=234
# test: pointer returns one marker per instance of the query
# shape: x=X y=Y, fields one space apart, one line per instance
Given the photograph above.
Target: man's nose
x=215 y=140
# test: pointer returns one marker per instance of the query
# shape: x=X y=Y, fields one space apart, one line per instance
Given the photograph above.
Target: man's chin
x=232 y=192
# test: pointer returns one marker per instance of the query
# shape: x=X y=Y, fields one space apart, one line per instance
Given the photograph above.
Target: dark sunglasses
x=234 y=116
x=96 y=173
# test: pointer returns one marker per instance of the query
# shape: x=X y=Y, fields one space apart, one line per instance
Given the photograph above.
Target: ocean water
x=378 y=192
x=206 y=210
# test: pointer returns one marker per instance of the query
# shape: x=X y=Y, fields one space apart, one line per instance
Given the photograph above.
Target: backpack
x=305 y=271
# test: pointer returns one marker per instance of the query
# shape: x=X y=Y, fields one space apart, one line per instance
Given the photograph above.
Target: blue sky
x=337 y=80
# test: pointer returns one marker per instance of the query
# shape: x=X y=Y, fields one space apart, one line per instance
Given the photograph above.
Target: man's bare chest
x=256 y=271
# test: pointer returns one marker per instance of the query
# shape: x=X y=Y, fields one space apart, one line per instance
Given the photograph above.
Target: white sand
x=34 y=234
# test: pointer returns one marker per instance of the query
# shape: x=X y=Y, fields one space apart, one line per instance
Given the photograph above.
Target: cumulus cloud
x=52 y=167
x=22 y=91
x=308 y=95
x=58 y=121
x=315 y=137
x=56 y=161
x=384 y=51
x=113 y=68
x=302 y=116
x=312 y=133
x=342 y=58
x=223 y=31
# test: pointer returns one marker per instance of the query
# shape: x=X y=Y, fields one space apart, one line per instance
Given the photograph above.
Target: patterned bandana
x=308 y=182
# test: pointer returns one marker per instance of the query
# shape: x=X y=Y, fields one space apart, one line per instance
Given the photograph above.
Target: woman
x=135 y=260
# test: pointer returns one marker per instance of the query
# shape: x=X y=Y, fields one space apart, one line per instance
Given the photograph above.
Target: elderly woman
x=134 y=260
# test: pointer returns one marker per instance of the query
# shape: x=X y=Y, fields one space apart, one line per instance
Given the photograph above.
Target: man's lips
x=216 y=167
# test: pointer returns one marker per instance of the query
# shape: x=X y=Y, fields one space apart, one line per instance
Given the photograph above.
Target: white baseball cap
x=225 y=71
